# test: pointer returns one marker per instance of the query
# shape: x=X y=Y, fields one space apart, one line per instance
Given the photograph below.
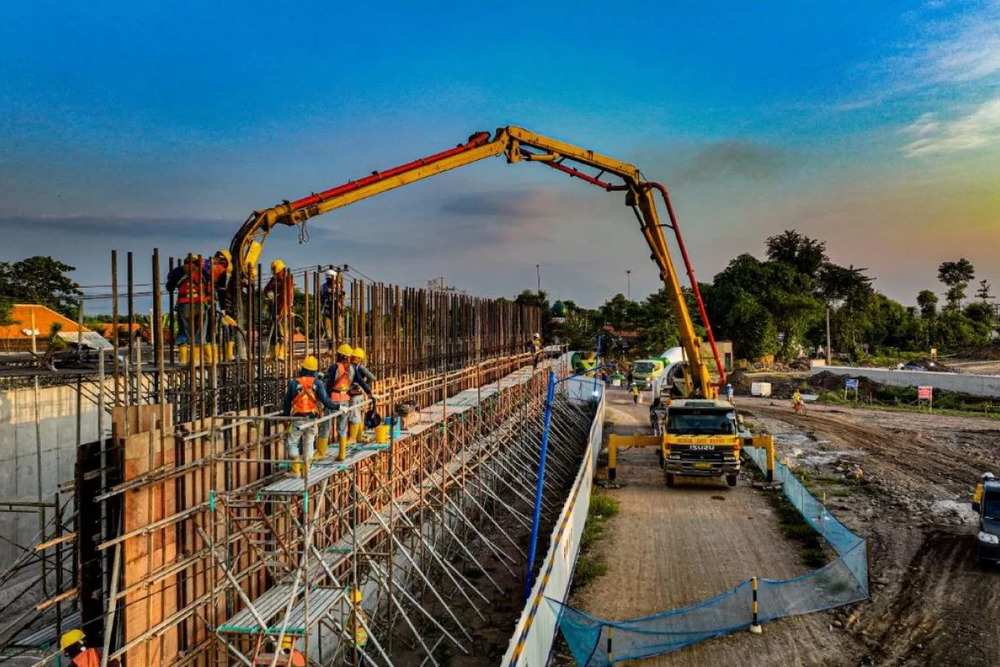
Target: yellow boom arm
x=518 y=145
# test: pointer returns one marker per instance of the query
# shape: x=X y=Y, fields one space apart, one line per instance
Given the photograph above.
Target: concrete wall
x=25 y=424
x=977 y=385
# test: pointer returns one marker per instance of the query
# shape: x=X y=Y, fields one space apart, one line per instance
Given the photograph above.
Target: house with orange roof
x=34 y=321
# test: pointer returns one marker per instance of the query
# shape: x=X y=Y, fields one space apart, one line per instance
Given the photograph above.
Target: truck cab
x=701 y=438
x=986 y=503
x=644 y=371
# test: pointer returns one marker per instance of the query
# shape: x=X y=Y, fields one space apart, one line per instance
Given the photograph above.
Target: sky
x=873 y=126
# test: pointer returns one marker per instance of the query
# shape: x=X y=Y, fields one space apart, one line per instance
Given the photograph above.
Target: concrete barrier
x=977 y=385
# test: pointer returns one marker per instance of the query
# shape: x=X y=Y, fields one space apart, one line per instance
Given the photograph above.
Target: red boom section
x=475 y=141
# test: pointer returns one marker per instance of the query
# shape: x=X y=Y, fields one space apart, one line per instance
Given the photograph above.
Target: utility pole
x=628 y=288
x=828 y=355
x=538 y=274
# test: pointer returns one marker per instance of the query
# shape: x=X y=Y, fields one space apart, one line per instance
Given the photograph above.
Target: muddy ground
x=931 y=603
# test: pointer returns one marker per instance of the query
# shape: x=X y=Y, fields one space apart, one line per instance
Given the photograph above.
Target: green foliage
x=41 y=280
x=603 y=506
x=956 y=276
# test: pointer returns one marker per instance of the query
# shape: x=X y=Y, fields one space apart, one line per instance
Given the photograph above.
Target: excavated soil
x=931 y=602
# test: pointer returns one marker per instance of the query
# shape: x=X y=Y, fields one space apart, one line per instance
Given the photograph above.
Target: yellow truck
x=700 y=438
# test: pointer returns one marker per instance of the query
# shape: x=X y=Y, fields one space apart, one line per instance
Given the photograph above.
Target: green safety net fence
x=595 y=642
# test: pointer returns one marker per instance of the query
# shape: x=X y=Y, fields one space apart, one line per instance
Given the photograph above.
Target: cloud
x=966 y=49
x=978 y=129
x=531 y=203
x=122 y=228
x=505 y=217
x=734 y=157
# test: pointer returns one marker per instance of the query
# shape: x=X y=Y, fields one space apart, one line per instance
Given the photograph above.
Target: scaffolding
x=192 y=545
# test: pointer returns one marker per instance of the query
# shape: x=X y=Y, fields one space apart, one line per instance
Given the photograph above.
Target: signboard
x=851 y=384
x=926 y=394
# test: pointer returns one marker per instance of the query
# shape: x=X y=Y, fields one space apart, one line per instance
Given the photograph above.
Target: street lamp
x=539 y=486
x=628 y=277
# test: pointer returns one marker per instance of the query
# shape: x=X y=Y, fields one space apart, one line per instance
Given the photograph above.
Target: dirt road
x=672 y=547
x=931 y=603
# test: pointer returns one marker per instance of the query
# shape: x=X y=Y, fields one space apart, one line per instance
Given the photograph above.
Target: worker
x=339 y=379
x=635 y=394
x=729 y=392
x=363 y=379
x=331 y=304
x=303 y=400
x=221 y=270
x=796 y=401
x=191 y=282
x=288 y=656
x=536 y=349
x=280 y=290
x=72 y=646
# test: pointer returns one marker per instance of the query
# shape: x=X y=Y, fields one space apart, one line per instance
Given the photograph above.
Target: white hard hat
x=331 y=273
x=536 y=336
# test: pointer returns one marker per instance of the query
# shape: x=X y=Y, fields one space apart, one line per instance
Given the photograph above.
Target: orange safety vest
x=88 y=658
x=305 y=403
x=341 y=383
x=192 y=287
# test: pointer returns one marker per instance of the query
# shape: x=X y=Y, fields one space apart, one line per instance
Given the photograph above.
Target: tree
x=41 y=280
x=956 y=276
x=927 y=300
x=804 y=254
x=983 y=293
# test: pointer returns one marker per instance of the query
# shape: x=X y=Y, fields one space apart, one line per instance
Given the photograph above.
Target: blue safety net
x=595 y=642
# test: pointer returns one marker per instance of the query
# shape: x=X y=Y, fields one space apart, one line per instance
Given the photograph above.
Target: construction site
x=491 y=498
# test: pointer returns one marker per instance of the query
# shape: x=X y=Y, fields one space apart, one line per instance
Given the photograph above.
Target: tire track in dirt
x=932 y=604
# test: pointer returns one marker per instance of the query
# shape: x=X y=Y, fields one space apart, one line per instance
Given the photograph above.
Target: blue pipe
x=539 y=487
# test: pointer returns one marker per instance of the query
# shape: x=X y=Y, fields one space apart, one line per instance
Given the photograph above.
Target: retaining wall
x=977 y=385
x=531 y=642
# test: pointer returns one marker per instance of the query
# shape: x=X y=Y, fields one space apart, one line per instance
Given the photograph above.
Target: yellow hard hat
x=225 y=254
x=72 y=637
x=310 y=363
x=277 y=266
x=356 y=595
x=345 y=350
x=359 y=353
x=287 y=641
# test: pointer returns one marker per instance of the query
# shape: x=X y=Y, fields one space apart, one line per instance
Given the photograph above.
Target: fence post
x=611 y=632
x=755 y=626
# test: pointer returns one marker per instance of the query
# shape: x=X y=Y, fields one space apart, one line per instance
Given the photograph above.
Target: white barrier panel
x=977 y=385
x=536 y=629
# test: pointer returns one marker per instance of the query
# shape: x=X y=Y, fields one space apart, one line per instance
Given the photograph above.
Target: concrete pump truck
x=701 y=436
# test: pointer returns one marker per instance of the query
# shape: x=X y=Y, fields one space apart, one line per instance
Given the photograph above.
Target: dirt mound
x=827 y=381
x=990 y=352
x=741 y=383
x=799 y=365
x=928 y=364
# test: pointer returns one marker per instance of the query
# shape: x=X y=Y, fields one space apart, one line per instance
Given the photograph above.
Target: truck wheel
x=671 y=480
x=731 y=480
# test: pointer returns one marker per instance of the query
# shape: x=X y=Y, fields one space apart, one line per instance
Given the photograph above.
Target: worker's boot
x=196 y=354
x=342 y=453
x=321 y=447
x=182 y=355
x=296 y=467
x=207 y=353
x=355 y=433
x=231 y=351
x=279 y=352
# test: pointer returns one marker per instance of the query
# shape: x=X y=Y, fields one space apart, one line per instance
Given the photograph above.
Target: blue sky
x=873 y=126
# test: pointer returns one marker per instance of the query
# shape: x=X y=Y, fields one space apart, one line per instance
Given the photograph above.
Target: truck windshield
x=644 y=366
x=698 y=422
x=991 y=507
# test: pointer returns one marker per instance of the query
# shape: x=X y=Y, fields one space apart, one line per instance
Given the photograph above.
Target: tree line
x=779 y=305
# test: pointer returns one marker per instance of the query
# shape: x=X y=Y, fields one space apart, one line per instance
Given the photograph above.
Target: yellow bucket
x=382 y=434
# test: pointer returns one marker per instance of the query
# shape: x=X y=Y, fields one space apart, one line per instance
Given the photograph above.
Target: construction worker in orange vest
x=221 y=270
x=281 y=290
x=305 y=399
x=361 y=386
x=72 y=646
x=339 y=378
x=288 y=656
x=191 y=282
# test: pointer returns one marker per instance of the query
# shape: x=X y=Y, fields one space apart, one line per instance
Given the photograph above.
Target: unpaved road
x=672 y=547
x=931 y=603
